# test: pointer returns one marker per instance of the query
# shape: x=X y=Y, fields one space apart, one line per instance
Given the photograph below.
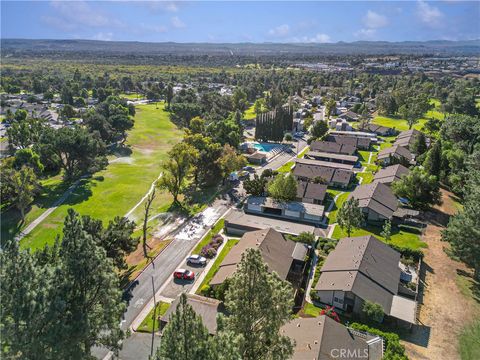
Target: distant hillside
x=360 y=47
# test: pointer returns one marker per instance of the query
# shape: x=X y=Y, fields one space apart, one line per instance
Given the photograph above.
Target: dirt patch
x=444 y=310
x=136 y=260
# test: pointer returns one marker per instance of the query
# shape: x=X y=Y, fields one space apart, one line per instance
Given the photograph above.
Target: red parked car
x=184 y=274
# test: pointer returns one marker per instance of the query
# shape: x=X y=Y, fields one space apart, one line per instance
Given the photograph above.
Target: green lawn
x=398 y=124
x=312 y=310
x=366 y=176
x=469 y=337
x=115 y=190
x=214 y=231
x=400 y=236
x=338 y=204
x=213 y=270
x=133 y=96
x=287 y=167
x=303 y=152
x=250 y=113
x=147 y=323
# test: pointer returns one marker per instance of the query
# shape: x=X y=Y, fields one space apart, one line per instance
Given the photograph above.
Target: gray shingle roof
x=391 y=173
x=376 y=196
x=332 y=147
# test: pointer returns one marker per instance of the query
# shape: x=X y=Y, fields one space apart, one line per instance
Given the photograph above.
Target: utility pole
x=154 y=317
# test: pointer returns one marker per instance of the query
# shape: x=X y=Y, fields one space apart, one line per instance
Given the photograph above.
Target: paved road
x=140 y=294
x=141 y=291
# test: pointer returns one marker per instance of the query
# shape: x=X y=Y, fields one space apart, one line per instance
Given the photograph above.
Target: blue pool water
x=266 y=147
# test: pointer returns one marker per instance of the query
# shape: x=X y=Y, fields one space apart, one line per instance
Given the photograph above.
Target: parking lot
x=176 y=286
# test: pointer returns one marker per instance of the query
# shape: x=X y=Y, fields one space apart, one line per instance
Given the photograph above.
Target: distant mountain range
x=440 y=47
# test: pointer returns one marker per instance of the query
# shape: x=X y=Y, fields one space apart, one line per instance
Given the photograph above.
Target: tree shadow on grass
x=121 y=150
x=473 y=285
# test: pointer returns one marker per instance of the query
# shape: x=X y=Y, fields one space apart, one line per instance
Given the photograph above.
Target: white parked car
x=196 y=260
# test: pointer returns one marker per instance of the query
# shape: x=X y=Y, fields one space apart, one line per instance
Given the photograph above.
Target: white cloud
x=103 y=36
x=153 y=28
x=429 y=15
x=365 y=33
x=69 y=15
x=177 y=23
x=170 y=6
x=373 y=20
x=280 y=31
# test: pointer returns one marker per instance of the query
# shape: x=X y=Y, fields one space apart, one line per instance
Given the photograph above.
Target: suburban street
x=157 y=276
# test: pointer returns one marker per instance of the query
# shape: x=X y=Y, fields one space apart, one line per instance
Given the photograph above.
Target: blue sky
x=246 y=21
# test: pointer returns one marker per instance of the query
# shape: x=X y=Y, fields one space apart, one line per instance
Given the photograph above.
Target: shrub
x=393 y=350
x=373 y=311
x=330 y=312
x=314 y=296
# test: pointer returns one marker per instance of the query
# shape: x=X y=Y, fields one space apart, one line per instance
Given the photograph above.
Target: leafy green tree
x=68 y=111
x=24 y=185
x=463 y=131
x=319 y=130
x=21 y=115
x=288 y=137
x=259 y=303
x=421 y=189
x=28 y=157
x=80 y=152
x=463 y=230
x=255 y=186
x=230 y=161
x=239 y=100
x=373 y=311
x=350 y=216
x=387 y=230
x=206 y=170
x=433 y=160
x=330 y=106
x=25 y=133
x=283 y=188
x=177 y=169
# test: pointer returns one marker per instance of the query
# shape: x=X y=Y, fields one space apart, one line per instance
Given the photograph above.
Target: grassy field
x=338 y=204
x=469 y=338
x=115 y=190
x=214 y=231
x=311 y=310
x=147 y=323
x=250 y=113
x=133 y=96
x=213 y=270
x=303 y=152
x=400 y=236
x=287 y=167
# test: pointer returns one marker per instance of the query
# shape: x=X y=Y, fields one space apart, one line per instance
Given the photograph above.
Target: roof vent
x=298 y=325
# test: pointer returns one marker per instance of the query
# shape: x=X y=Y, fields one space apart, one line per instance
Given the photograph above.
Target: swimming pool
x=266 y=147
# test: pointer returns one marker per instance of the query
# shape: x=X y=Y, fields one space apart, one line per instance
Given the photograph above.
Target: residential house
x=322 y=338
x=258 y=158
x=207 y=308
x=330 y=157
x=391 y=174
x=310 y=192
x=332 y=147
x=349 y=116
x=285 y=257
x=362 y=143
x=376 y=200
x=237 y=223
x=407 y=138
x=333 y=174
x=380 y=130
x=293 y=210
x=394 y=155
x=363 y=269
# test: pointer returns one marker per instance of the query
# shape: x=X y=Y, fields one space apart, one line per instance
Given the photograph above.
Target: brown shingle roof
x=395 y=150
x=365 y=266
x=276 y=250
x=315 y=338
x=391 y=173
x=332 y=147
x=407 y=138
x=376 y=196
x=311 y=190
x=206 y=308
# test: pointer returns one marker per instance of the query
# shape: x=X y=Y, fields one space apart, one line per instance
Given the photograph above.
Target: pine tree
x=259 y=303
x=433 y=161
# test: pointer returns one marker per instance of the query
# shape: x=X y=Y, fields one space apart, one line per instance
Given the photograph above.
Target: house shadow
x=436 y=217
x=419 y=335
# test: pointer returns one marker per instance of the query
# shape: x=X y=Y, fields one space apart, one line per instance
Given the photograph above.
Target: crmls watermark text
x=349 y=353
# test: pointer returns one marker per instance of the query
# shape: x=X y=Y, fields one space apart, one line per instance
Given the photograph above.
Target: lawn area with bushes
x=338 y=204
x=287 y=167
x=209 y=236
x=403 y=237
x=147 y=323
x=204 y=287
